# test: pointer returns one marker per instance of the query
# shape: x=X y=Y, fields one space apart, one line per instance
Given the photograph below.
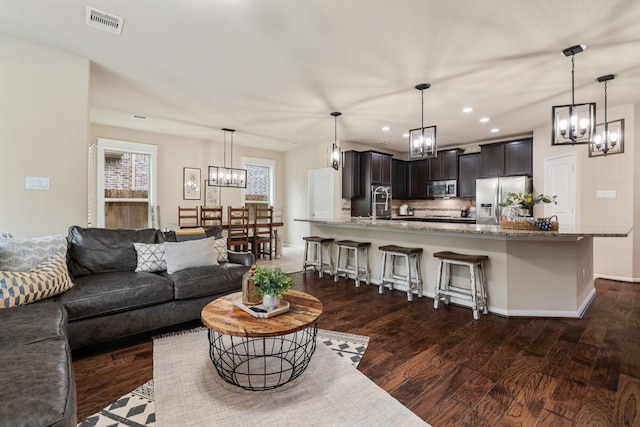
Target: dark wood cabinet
x=444 y=166
x=351 y=177
x=418 y=175
x=492 y=160
x=518 y=157
x=468 y=172
x=399 y=181
x=507 y=158
x=380 y=168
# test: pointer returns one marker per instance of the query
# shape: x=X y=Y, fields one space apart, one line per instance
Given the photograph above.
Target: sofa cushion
x=46 y=280
x=28 y=324
x=190 y=254
x=170 y=236
x=101 y=250
x=203 y=281
x=105 y=293
x=151 y=257
x=25 y=254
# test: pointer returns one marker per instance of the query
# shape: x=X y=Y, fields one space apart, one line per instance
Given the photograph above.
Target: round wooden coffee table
x=262 y=354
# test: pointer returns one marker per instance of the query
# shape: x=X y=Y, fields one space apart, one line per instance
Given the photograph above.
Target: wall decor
x=211 y=195
x=191 y=184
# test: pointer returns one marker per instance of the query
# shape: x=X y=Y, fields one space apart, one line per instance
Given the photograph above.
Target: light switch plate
x=37 y=183
x=606 y=194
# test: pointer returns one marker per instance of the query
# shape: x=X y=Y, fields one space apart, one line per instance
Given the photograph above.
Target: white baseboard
x=618 y=278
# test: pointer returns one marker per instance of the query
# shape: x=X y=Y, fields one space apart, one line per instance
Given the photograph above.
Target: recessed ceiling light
x=386 y=128
x=405 y=135
x=467 y=109
x=494 y=130
x=484 y=120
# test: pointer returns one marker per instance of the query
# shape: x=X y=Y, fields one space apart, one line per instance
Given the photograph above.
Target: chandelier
x=223 y=176
x=575 y=123
x=334 y=159
x=609 y=135
x=422 y=141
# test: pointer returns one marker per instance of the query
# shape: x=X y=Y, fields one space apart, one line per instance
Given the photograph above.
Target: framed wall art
x=211 y=195
x=191 y=184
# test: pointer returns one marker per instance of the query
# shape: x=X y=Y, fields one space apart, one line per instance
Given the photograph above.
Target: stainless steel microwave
x=442 y=188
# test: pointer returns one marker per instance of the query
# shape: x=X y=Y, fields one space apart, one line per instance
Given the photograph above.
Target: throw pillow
x=190 y=254
x=7 y=235
x=221 y=250
x=49 y=278
x=25 y=254
x=185 y=234
x=151 y=257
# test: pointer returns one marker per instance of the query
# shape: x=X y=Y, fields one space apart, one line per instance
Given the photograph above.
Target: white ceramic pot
x=271 y=302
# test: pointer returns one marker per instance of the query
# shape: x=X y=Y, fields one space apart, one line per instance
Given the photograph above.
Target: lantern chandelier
x=223 y=176
x=609 y=135
x=422 y=141
x=334 y=158
x=575 y=123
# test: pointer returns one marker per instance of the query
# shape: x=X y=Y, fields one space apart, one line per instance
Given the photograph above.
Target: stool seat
x=412 y=278
x=460 y=257
x=360 y=266
x=477 y=293
x=318 y=261
x=401 y=249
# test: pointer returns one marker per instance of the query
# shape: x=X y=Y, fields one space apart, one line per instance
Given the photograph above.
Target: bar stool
x=318 y=262
x=360 y=250
x=477 y=294
x=389 y=277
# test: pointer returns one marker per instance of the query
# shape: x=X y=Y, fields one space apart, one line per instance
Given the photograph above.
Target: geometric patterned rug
x=137 y=409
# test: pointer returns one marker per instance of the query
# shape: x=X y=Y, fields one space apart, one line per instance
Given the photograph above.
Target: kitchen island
x=529 y=273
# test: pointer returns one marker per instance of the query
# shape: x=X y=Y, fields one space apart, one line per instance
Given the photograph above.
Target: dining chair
x=238 y=228
x=188 y=217
x=263 y=236
x=210 y=217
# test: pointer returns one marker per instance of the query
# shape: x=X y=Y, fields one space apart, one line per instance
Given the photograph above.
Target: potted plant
x=270 y=284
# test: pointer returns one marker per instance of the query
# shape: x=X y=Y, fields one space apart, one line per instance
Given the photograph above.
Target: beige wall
x=613 y=257
x=43 y=133
x=175 y=153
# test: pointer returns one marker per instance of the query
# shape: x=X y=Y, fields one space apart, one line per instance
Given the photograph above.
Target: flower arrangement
x=527 y=200
x=271 y=281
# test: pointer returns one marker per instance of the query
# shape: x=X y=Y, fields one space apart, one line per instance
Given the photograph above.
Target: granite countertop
x=476 y=230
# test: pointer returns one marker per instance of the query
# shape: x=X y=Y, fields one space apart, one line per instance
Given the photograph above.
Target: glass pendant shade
x=334 y=153
x=422 y=142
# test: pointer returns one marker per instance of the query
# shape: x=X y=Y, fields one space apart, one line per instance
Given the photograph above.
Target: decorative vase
x=249 y=296
x=271 y=302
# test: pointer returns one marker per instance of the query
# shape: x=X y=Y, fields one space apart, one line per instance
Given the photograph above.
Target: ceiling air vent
x=104 y=21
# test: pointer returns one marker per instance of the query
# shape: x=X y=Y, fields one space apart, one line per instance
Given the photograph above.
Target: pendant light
x=223 y=176
x=334 y=159
x=575 y=123
x=422 y=141
x=609 y=135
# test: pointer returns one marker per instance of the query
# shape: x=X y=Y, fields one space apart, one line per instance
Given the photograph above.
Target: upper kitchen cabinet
x=399 y=181
x=507 y=158
x=351 y=182
x=445 y=166
x=380 y=167
x=417 y=177
x=518 y=157
x=468 y=172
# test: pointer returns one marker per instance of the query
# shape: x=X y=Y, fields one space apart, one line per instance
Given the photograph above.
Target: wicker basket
x=548 y=224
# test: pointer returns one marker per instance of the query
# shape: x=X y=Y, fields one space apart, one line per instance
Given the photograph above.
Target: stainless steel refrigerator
x=490 y=192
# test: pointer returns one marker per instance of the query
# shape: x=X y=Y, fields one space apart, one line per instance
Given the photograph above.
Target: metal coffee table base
x=262 y=363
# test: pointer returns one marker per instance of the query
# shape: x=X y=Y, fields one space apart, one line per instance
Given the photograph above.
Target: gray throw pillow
x=190 y=254
x=25 y=254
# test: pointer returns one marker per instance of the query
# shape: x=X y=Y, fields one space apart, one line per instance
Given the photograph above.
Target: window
x=260 y=173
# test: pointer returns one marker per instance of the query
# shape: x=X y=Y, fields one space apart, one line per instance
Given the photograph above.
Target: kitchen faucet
x=380 y=190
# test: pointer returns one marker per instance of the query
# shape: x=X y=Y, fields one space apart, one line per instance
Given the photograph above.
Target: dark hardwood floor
x=450 y=369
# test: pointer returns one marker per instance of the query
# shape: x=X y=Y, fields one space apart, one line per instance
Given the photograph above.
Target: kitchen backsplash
x=436 y=207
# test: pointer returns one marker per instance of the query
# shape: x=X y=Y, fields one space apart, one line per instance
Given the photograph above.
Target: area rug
x=137 y=408
x=189 y=393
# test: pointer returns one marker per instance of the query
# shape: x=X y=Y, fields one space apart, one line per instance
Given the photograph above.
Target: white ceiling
x=275 y=69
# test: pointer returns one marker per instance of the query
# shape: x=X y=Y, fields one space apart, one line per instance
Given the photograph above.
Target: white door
x=321 y=193
x=560 y=180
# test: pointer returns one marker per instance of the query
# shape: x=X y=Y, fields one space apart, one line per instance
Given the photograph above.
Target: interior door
x=560 y=180
x=321 y=193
